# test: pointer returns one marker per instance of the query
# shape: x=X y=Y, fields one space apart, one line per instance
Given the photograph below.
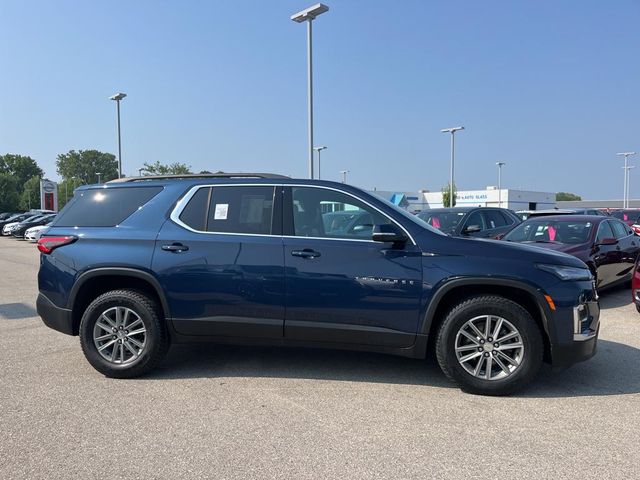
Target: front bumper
x=583 y=343
x=59 y=319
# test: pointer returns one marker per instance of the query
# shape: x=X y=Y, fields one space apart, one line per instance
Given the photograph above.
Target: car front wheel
x=489 y=345
x=122 y=334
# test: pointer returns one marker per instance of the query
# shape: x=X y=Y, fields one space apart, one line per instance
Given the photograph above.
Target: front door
x=220 y=262
x=342 y=287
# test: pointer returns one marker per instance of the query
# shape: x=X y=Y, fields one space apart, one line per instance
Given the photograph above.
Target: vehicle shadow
x=16 y=311
x=616 y=297
x=615 y=369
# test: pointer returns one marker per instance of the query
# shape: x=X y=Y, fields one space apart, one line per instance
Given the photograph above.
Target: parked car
x=138 y=263
x=20 y=229
x=628 y=216
x=9 y=227
x=6 y=215
x=526 y=214
x=482 y=222
x=17 y=218
x=33 y=234
x=606 y=245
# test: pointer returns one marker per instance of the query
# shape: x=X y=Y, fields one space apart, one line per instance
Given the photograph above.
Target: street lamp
x=500 y=165
x=99 y=178
x=29 y=193
x=140 y=170
x=117 y=97
x=319 y=149
x=344 y=175
x=452 y=131
x=309 y=15
x=626 y=156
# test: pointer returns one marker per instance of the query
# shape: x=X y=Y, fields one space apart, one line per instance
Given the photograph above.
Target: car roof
x=567 y=218
x=450 y=210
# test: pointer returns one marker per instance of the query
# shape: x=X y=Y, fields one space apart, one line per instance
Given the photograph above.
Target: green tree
x=30 y=196
x=9 y=198
x=20 y=167
x=567 y=197
x=158 y=168
x=85 y=165
x=65 y=191
x=446 y=194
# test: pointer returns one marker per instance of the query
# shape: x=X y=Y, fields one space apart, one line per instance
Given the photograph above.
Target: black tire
x=156 y=341
x=508 y=310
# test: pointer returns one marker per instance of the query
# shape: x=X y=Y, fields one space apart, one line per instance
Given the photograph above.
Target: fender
x=545 y=311
x=123 y=272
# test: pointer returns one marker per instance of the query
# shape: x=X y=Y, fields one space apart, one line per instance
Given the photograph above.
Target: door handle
x=306 y=253
x=175 y=248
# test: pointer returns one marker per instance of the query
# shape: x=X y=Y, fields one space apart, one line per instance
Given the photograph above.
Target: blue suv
x=136 y=264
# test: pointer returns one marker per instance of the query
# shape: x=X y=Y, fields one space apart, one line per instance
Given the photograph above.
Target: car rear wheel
x=122 y=334
x=489 y=345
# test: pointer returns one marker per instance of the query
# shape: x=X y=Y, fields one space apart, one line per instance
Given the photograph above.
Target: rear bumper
x=59 y=319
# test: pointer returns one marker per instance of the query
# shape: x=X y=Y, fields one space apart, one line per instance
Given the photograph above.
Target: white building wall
x=513 y=199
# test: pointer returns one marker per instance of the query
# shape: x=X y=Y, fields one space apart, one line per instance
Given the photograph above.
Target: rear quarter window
x=104 y=207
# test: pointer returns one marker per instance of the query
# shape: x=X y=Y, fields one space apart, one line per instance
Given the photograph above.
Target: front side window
x=230 y=209
x=318 y=212
x=475 y=219
x=494 y=219
x=604 y=231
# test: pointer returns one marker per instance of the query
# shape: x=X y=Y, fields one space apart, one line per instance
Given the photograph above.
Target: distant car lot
x=240 y=412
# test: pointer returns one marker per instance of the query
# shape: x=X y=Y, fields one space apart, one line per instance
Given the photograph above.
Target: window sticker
x=222 y=209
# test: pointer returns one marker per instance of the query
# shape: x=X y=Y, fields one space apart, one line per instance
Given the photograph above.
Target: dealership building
x=516 y=200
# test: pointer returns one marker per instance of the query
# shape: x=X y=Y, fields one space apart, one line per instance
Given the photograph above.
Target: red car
x=605 y=244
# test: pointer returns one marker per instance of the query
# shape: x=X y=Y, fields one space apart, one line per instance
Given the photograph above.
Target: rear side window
x=620 y=229
x=104 y=207
x=230 y=209
x=604 y=231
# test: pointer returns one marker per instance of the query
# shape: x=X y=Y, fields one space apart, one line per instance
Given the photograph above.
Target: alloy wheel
x=119 y=335
x=489 y=347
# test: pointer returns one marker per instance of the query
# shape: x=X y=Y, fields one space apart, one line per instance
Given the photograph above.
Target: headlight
x=566 y=273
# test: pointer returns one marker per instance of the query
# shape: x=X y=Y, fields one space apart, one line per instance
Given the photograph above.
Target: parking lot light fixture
x=99 y=176
x=625 y=194
x=117 y=98
x=452 y=131
x=319 y=149
x=500 y=165
x=344 y=175
x=309 y=15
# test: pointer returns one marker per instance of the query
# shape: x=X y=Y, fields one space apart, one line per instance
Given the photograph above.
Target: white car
x=8 y=228
x=33 y=234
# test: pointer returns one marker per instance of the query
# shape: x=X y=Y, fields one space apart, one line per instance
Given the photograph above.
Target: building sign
x=48 y=195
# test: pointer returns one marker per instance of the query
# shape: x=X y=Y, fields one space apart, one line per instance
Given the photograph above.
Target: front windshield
x=551 y=231
x=443 y=221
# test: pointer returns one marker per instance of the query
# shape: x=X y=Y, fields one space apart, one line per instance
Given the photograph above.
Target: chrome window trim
x=182 y=203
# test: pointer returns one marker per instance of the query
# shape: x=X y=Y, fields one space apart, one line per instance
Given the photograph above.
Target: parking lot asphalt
x=240 y=412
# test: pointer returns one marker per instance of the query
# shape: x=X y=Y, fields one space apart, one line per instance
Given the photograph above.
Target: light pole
x=140 y=170
x=99 y=178
x=309 y=15
x=319 y=149
x=344 y=175
x=626 y=156
x=452 y=131
x=29 y=193
x=117 y=98
x=628 y=169
x=500 y=165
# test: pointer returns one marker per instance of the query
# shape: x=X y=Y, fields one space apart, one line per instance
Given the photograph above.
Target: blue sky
x=551 y=88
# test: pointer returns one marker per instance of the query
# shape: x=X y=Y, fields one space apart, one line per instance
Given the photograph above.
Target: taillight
x=49 y=244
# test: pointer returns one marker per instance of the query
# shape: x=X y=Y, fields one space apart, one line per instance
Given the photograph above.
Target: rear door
x=628 y=247
x=219 y=259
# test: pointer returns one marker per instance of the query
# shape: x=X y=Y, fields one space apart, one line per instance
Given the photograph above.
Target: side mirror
x=388 y=233
x=608 y=241
x=472 y=229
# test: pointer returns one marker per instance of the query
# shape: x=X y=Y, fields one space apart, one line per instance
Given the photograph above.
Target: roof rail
x=197 y=175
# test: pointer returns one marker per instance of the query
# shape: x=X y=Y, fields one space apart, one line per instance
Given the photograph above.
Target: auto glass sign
x=472 y=196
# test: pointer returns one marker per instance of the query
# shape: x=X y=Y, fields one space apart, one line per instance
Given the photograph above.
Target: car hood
x=499 y=249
